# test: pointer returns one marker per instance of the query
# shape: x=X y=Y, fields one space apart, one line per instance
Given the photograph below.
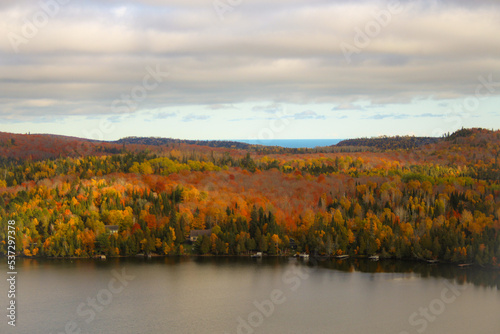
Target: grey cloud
x=378 y=117
x=164 y=115
x=244 y=119
x=402 y=116
x=346 y=106
x=153 y=116
x=429 y=115
x=193 y=117
x=285 y=51
x=115 y=119
x=271 y=108
x=308 y=114
x=220 y=106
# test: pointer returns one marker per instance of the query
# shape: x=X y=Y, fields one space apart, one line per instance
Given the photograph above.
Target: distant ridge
x=473 y=136
x=159 y=141
x=390 y=143
x=47 y=146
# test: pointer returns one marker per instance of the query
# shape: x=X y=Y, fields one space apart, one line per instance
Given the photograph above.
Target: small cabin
x=112 y=229
x=195 y=234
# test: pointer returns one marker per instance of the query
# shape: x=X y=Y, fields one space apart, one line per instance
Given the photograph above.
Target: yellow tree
x=213 y=242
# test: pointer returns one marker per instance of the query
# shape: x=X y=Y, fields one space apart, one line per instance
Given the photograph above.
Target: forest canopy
x=427 y=199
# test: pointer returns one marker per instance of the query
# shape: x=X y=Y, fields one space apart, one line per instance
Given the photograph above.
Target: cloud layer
x=87 y=55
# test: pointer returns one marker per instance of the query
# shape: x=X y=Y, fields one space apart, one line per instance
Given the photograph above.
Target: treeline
x=158 y=141
x=390 y=143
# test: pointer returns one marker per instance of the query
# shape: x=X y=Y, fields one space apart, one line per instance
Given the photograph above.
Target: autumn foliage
x=439 y=201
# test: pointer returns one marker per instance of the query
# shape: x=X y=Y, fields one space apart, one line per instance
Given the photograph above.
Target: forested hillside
x=438 y=201
x=167 y=141
x=390 y=143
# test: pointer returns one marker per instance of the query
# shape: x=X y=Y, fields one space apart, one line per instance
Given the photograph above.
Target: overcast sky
x=239 y=69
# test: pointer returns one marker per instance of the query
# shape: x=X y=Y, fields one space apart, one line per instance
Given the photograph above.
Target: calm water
x=237 y=295
x=293 y=143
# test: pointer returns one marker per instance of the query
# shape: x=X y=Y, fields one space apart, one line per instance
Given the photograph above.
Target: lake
x=244 y=295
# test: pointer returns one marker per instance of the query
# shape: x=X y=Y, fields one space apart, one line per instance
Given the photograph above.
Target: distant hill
x=472 y=134
x=390 y=143
x=464 y=138
x=158 y=141
x=46 y=146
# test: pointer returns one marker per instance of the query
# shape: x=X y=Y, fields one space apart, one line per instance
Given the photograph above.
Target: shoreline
x=322 y=258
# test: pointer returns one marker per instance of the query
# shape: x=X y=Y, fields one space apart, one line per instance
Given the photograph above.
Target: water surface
x=242 y=295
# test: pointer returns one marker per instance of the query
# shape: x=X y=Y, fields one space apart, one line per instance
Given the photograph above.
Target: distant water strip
x=292 y=143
